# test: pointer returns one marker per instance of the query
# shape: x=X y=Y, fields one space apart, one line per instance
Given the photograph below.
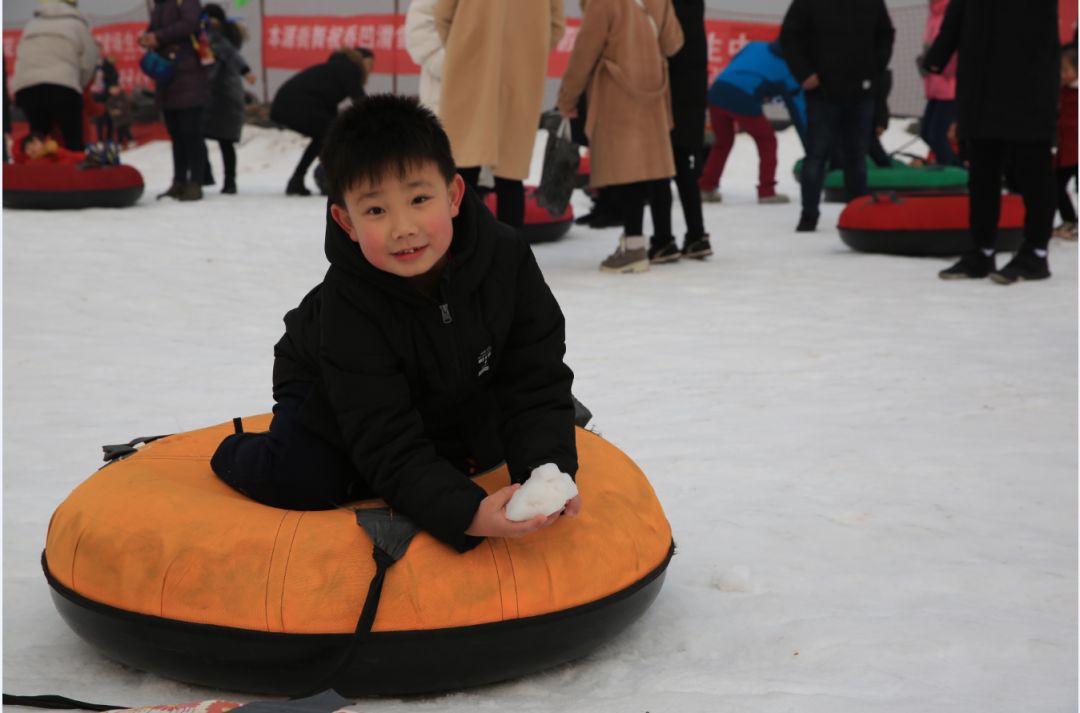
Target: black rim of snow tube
x=73 y=200
x=925 y=243
x=386 y=663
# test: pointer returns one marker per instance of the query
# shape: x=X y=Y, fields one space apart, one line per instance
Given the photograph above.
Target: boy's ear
x=457 y=192
x=341 y=217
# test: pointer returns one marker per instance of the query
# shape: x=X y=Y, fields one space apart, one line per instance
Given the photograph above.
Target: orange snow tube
x=166 y=569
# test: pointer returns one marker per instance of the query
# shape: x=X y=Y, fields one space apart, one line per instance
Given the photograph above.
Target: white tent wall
x=908 y=15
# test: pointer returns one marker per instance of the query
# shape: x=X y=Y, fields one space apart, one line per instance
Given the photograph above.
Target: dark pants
x=228 y=160
x=631 y=199
x=1030 y=167
x=687 y=173
x=188 y=150
x=849 y=126
x=106 y=129
x=310 y=154
x=287 y=466
x=934 y=130
x=877 y=152
x=51 y=105
x=1065 y=176
x=509 y=196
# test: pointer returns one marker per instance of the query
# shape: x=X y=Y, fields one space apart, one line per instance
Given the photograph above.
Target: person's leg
x=33 y=102
x=510 y=201
x=659 y=199
x=228 y=160
x=984 y=210
x=820 y=117
x=208 y=171
x=296 y=185
x=1065 y=176
x=877 y=152
x=631 y=255
x=179 y=165
x=67 y=108
x=761 y=131
x=687 y=172
x=856 y=125
x=723 y=126
x=926 y=125
x=1033 y=166
x=287 y=466
x=194 y=148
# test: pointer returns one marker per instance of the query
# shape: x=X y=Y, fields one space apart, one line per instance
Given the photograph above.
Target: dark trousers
x=188 y=150
x=51 y=105
x=228 y=160
x=509 y=196
x=877 y=152
x=631 y=199
x=687 y=173
x=106 y=129
x=287 y=466
x=848 y=125
x=1030 y=167
x=934 y=130
x=310 y=154
x=1065 y=176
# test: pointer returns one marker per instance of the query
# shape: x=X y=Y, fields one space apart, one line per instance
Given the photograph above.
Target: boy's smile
x=403 y=224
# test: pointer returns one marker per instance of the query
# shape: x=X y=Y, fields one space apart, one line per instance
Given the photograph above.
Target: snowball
x=544 y=493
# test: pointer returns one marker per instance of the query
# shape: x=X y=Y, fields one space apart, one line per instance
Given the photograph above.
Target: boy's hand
x=812 y=82
x=490 y=519
x=573 y=506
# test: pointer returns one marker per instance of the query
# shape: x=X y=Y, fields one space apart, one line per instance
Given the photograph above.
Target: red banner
x=119 y=42
x=300 y=41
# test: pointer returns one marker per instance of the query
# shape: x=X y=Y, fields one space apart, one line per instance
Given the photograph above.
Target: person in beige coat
x=493 y=86
x=425 y=47
x=620 y=59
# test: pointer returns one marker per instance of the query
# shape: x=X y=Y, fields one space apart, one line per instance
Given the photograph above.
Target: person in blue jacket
x=755 y=75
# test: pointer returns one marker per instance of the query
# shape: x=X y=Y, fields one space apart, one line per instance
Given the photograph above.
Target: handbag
x=559 y=174
x=157 y=66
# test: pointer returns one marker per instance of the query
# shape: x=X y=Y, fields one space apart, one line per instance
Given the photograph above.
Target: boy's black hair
x=380 y=134
x=28 y=138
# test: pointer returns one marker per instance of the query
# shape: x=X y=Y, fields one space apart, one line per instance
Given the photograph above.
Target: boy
x=35 y=148
x=1065 y=160
x=432 y=350
x=118 y=108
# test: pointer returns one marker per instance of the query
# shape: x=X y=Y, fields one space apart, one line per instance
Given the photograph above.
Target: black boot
x=191 y=192
x=173 y=191
x=229 y=186
x=807 y=223
x=972 y=265
x=296 y=187
x=1025 y=265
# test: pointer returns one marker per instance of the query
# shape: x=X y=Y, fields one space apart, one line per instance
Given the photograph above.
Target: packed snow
x=871 y=474
x=545 y=492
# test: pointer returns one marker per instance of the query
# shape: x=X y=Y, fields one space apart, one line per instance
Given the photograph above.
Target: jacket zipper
x=448 y=320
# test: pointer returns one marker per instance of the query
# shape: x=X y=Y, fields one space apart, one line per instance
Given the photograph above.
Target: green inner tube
x=900 y=177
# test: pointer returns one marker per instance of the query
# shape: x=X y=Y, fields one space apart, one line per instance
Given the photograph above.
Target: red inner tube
x=931 y=213
x=66 y=178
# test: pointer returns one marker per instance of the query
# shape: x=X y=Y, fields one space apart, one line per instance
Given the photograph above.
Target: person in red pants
x=754 y=75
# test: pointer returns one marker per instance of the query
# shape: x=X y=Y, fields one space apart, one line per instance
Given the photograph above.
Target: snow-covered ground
x=871 y=474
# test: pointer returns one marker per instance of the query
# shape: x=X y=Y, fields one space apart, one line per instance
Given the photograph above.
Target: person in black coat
x=1006 y=112
x=308 y=102
x=836 y=49
x=688 y=70
x=432 y=350
x=224 y=117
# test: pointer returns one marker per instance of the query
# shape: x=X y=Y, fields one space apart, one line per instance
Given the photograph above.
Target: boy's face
x=403 y=224
x=1068 y=72
x=34 y=148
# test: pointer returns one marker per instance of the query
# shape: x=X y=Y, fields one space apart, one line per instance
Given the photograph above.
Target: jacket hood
x=471 y=252
x=58 y=8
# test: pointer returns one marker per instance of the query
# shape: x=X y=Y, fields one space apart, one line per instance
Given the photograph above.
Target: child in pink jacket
x=940 y=95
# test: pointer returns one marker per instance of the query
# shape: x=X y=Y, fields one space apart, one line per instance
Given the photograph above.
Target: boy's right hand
x=490 y=519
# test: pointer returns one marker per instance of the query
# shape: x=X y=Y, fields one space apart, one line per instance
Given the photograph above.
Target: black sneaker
x=664 y=252
x=698 y=249
x=974 y=265
x=1025 y=265
x=807 y=223
x=229 y=187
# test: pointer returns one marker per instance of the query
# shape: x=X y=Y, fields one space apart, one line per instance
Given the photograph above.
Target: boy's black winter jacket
x=419 y=390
